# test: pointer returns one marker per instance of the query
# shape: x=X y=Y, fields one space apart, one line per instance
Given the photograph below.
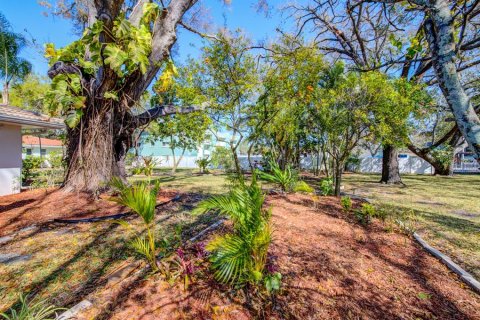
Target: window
x=43 y=152
x=165 y=143
x=29 y=152
x=403 y=156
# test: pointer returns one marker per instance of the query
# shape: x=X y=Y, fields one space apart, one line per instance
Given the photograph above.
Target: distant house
x=161 y=152
x=12 y=121
x=40 y=147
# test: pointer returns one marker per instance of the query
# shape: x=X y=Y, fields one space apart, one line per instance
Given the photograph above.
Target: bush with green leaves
x=303 y=187
x=29 y=165
x=32 y=310
x=286 y=179
x=203 y=163
x=346 y=203
x=365 y=213
x=240 y=257
x=141 y=198
x=326 y=186
x=56 y=160
x=222 y=158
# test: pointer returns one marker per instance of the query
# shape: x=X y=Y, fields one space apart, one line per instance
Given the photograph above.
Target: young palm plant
x=286 y=179
x=239 y=257
x=141 y=198
x=32 y=310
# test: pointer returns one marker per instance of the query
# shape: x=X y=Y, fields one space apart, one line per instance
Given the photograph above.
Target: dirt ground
x=43 y=205
x=332 y=268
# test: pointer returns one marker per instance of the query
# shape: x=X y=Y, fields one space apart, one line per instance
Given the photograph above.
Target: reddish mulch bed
x=332 y=268
x=43 y=205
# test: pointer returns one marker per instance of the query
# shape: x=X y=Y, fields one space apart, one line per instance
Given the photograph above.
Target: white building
x=40 y=147
x=12 y=121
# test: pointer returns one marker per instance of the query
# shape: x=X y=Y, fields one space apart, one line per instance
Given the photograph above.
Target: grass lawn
x=189 y=181
x=447 y=210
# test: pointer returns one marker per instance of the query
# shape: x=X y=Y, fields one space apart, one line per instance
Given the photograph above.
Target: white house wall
x=10 y=159
x=411 y=164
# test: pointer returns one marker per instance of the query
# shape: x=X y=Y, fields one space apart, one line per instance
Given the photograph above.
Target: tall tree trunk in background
x=390 y=166
x=338 y=177
x=5 y=94
x=439 y=32
x=238 y=168
x=176 y=163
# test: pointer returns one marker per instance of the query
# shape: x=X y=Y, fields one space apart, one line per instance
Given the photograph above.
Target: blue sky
x=27 y=17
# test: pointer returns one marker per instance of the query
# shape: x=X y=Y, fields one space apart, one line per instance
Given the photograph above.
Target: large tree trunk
x=390 y=166
x=439 y=167
x=439 y=32
x=91 y=153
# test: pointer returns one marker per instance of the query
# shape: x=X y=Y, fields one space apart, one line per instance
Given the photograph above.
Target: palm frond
x=32 y=310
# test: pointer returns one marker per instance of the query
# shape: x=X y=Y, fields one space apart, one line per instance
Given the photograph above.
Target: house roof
x=34 y=141
x=29 y=119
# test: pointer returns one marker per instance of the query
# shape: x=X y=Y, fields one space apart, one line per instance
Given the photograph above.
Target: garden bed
x=41 y=206
x=333 y=268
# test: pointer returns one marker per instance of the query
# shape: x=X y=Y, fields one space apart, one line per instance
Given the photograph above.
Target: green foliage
x=239 y=257
x=29 y=94
x=141 y=198
x=346 y=203
x=32 y=310
x=326 y=186
x=273 y=282
x=12 y=66
x=148 y=166
x=222 y=158
x=203 y=163
x=302 y=186
x=285 y=179
x=127 y=53
x=366 y=213
x=443 y=155
x=56 y=159
x=183 y=131
x=29 y=165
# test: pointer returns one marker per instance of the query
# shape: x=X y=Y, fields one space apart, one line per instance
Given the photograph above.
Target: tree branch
x=162 y=111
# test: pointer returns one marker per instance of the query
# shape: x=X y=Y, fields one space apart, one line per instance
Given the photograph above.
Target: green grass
x=447 y=210
x=186 y=181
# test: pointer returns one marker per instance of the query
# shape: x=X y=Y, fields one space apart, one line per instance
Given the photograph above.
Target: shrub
x=346 y=203
x=141 y=198
x=148 y=166
x=31 y=310
x=203 y=163
x=285 y=179
x=239 y=257
x=326 y=186
x=56 y=159
x=366 y=213
x=222 y=158
x=29 y=165
x=304 y=187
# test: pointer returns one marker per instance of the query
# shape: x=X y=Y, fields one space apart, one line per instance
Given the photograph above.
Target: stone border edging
x=464 y=275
